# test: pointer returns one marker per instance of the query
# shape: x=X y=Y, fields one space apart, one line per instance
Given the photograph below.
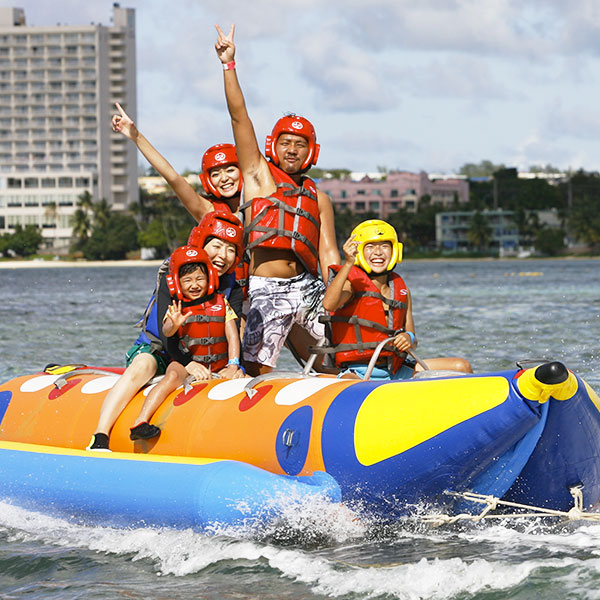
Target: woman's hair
x=191 y=267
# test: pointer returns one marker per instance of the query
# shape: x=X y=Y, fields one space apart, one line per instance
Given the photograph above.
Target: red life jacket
x=203 y=333
x=289 y=219
x=361 y=324
x=221 y=205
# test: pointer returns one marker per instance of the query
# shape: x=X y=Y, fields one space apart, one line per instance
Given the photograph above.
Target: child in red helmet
x=221 y=236
x=200 y=323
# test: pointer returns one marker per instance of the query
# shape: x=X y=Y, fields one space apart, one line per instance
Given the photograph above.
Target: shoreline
x=53 y=264
x=60 y=264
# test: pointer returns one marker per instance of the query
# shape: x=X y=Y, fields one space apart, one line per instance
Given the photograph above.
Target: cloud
x=573 y=121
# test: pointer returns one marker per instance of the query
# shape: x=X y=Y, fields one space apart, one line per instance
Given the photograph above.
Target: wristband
x=234 y=361
x=229 y=66
x=411 y=335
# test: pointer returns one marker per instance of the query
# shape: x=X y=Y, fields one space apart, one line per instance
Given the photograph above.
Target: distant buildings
x=451 y=229
x=58 y=86
x=398 y=190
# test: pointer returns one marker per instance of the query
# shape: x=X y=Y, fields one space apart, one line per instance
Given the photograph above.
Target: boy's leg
x=174 y=377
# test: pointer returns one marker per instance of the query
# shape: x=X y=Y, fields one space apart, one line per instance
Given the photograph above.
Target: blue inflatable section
x=116 y=489
x=5 y=398
x=565 y=456
x=293 y=440
x=428 y=467
x=498 y=478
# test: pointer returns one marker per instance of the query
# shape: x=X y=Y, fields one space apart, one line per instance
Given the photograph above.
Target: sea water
x=491 y=312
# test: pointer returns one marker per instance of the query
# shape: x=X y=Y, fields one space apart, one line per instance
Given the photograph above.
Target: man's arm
x=328 y=250
x=195 y=204
x=258 y=180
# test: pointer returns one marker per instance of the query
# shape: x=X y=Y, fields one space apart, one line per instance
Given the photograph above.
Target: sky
x=394 y=84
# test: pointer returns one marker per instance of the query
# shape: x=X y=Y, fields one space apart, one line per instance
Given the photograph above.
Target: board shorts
x=274 y=305
x=406 y=371
x=160 y=356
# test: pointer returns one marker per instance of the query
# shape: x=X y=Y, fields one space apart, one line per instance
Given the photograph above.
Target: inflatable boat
x=237 y=451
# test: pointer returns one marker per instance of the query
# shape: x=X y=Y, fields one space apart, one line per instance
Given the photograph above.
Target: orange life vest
x=361 y=324
x=203 y=333
x=289 y=219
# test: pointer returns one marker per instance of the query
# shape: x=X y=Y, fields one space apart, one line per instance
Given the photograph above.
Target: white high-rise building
x=58 y=86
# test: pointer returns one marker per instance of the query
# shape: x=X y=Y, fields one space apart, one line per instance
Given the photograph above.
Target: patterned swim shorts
x=275 y=304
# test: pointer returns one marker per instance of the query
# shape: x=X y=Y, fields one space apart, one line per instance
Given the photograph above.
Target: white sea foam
x=182 y=553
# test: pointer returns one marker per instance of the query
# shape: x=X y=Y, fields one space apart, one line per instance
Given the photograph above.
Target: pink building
x=398 y=190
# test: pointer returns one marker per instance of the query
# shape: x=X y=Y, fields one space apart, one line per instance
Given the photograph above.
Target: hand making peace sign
x=224 y=46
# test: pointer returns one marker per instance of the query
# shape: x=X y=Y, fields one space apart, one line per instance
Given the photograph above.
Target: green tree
x=584 y=221
x=24 y=242
x=479 y=233
x=485 y=168
x=112 y=240
x=102 y=212
x=317 y=173
x=583 y=193
x=51 y=213
x=550 y=242
x=167 y=223
x=345 y=221
x=153 y=236
x=81 y=223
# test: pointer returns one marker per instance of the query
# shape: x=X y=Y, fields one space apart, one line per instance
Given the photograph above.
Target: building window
x=393 y=193
x=65 y=182
x=31 y=182
x=48 y=182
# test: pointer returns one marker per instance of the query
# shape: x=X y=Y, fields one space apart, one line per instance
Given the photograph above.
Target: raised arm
x=328 y=250
x=195 y=204
x=339 y=291
x=253 y=164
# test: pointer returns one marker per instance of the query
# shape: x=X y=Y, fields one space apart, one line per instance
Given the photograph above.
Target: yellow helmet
x=375 y=230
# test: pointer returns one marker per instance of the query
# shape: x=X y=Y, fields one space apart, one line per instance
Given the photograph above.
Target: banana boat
x=236 y=451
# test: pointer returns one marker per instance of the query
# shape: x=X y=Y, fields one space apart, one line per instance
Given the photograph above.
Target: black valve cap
x=552 y=373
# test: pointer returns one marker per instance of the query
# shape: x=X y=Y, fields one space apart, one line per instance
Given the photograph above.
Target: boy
x=369 y=303
x=200 y=323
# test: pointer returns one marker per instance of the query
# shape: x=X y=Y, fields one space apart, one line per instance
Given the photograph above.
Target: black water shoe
x=144 y=431
x=99 y=443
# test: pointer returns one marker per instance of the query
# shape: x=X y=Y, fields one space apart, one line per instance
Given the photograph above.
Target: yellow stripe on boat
x=418 y=411
x=593 y=396
x=156 y=458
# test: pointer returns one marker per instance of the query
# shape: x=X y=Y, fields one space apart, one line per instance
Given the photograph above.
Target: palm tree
x=85 y=201
x=479 y=233
x=102 y=211
x=51 y=213
x=81 y=227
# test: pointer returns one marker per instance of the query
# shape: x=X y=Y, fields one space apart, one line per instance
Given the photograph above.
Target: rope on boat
x=576 y=513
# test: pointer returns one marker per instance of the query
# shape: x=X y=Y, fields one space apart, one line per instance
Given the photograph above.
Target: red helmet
x=218 y=156
x=185 y=255
x=222 y=225
x=297 y=126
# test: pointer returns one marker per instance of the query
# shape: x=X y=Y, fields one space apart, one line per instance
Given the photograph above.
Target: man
x=289 y=224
